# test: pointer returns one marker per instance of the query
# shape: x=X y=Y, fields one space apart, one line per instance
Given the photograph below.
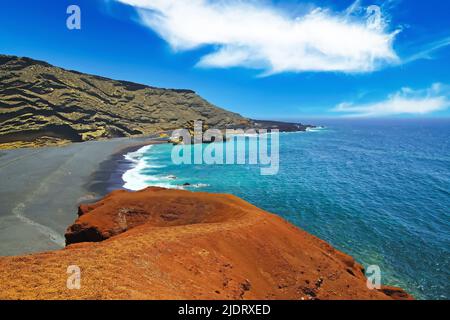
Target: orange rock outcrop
x=173 y=244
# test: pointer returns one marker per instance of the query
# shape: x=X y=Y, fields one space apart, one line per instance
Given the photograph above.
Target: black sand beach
x=42 y=188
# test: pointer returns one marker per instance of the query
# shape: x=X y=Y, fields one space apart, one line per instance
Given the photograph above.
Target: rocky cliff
x=41 y=104
x=173 y=244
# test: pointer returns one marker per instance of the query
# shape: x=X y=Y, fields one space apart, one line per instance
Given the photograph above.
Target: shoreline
x=108 y=176
x=32 y=218
x=119 y=166
x=207 y=246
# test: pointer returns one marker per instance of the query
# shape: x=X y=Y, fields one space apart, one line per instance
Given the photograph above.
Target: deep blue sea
x=378 y=190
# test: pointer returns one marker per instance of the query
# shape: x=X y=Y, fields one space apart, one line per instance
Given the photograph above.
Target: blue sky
x=264 y=59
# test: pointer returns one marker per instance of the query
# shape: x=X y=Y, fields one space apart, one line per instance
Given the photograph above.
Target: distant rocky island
x=173 y=244
x=43 y=105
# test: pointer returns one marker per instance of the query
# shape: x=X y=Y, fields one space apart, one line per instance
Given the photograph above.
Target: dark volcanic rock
x=396 y=293
x=282 y=126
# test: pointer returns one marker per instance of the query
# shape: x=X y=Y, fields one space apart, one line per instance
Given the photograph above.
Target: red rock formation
x=171 y=244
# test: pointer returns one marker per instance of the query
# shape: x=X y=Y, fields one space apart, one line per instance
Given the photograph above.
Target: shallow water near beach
x=377 y=190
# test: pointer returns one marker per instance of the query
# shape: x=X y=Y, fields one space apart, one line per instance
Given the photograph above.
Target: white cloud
x=258 y=35
x=405 y=101
x=427 y=51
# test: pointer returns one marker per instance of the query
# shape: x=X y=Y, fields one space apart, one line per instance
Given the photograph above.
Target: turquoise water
x=377 y=190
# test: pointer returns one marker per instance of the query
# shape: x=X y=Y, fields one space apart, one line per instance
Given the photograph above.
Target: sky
x=264 y=59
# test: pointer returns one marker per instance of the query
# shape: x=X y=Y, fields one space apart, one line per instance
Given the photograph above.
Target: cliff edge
x=174 y=244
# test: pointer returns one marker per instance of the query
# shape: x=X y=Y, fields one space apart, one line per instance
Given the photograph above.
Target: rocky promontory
x=41 y=105
x=175 y=244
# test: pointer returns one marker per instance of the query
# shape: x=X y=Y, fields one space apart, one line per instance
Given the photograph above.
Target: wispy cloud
x=256 y=34
x=405 y=101
x=427 y=51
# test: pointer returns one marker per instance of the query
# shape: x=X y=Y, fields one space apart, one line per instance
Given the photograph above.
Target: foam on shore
x=136 y=179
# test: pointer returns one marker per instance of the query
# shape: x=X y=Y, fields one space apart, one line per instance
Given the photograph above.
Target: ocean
x=378 y=190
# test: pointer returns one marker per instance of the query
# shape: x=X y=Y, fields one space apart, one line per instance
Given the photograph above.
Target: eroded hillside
x=41 y=104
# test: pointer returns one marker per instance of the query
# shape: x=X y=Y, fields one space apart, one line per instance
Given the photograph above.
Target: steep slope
x=41 y=104
x=173 y=244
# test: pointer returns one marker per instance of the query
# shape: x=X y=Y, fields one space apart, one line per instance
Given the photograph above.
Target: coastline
x=32 y=218
x=161 y=244
x=106 y=172
x=108 y=176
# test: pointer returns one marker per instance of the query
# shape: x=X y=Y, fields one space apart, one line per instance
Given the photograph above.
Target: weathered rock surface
x=41 y=104
x=174 y=244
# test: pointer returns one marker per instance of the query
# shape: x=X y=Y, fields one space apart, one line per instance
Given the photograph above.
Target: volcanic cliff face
x=173 y=244
x=41 y=104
